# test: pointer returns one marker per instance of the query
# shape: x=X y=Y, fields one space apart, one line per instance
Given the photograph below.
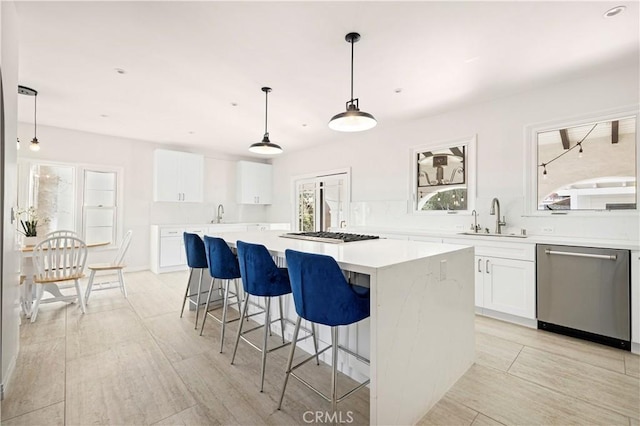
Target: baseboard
x=527 y=322
x=635 y=348
x=7 y=380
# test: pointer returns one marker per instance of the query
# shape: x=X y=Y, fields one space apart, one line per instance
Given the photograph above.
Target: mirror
x=590 y=166
x=442 y=177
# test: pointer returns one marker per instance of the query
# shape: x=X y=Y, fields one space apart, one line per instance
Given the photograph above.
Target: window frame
x=471 y=170
x=531 y=161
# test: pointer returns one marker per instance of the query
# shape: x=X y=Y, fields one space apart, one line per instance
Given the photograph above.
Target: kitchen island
x=421 y=334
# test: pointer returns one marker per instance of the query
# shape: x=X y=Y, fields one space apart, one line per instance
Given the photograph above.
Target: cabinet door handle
x=486 y=266
x=479 y=265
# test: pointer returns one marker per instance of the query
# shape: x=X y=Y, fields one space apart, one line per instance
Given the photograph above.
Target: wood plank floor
x=135 y=362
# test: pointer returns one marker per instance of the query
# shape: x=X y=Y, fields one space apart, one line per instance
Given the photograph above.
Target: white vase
x=29 y=241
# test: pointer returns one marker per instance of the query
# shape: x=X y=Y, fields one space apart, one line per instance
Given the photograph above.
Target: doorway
x=322 y=202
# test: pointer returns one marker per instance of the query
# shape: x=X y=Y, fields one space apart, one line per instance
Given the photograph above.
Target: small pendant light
x=352 y=120
x=23 y=90
x=265 y=146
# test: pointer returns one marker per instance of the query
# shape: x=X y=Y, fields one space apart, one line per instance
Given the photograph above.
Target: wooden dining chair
x=55 y=260
x=116 y=266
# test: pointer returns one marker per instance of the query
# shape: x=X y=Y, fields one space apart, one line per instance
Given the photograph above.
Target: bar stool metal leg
x=334 y=370
x=281 y=318
x=244 y=313
x=195 y=327
x=224 y=313
x=186 y=292
x=267 y=333
x=238 y=301
x=206 y=309
x=290 y=360
x=315 y=342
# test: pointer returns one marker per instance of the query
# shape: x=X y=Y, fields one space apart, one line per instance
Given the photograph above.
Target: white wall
x=136 y=159
x=9 y=264
x=380 y=158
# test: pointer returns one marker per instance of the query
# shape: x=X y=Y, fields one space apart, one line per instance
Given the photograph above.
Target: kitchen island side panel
x=422 y=340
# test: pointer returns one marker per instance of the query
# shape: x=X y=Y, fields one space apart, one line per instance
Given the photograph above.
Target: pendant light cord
x=266 y=108
x=35 y=115
x=351 y=70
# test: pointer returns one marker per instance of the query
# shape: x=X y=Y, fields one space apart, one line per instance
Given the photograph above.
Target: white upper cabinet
x=254 y=183
x=177 y=176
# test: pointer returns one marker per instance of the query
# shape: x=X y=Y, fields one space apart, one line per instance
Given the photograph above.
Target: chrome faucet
x=220 y=213
x=495 y=209
x=475 y=227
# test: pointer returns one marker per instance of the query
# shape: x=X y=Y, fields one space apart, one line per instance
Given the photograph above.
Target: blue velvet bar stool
x=260 y=277
x=196 y=259
x=322 y=295
x=223 y=265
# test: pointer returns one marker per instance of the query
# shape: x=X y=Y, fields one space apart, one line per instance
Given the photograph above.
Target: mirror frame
x=531 y=160
x=471 y=169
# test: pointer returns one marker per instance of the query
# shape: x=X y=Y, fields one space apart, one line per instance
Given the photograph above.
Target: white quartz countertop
x=530 y=239
x=353 y=256
x=189 y=225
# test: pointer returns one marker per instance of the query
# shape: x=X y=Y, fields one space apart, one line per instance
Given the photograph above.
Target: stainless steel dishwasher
x=584 y=292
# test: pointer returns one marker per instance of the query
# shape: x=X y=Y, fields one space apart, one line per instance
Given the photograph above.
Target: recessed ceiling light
x=304 y=124
x=398 y=90
x=191 y=132
x=614 y=11
x=234 y=104
x=120 y=71
x=104 y=115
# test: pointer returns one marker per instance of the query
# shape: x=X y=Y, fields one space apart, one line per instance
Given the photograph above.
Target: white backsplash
x=395 y=214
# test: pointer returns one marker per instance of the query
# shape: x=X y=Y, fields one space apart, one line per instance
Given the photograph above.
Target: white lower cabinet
x=167 y=241
x=171 y=251
x=504 y=276
x=506 y=285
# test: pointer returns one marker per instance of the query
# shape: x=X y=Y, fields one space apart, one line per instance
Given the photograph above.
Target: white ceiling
x=187 y=63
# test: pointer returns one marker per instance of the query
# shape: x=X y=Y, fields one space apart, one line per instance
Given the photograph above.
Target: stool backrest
x=59 y=258
x=321 y=293
x=194 y=248
x=223 y=264
x=260 y=274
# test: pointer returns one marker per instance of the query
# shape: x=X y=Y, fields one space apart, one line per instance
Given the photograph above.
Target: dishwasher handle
x=592 y=256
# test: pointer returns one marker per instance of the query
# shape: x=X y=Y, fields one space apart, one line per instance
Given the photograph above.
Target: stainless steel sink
x=492 y=234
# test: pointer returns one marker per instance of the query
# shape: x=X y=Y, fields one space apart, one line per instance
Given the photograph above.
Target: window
x=443 y=177
x=99 y=216
x=584 y=165
x=322 y=201
x=52 y=192
x=85 y=199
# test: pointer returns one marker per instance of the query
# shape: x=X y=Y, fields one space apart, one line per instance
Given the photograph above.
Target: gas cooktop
x=329 y=237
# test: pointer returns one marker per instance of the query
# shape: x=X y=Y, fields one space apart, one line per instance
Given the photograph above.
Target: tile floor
x=135 y=362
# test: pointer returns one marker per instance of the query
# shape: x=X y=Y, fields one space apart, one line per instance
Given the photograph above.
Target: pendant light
x=23 y=90
x=352 y=120
x=265 y=146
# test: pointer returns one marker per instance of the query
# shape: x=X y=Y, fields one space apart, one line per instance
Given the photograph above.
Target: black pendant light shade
x=265 y=146
x=352 y=120
x=23 y=90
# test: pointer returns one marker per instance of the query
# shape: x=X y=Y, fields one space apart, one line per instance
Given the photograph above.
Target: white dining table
x=26 y=278
x=422 y=315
